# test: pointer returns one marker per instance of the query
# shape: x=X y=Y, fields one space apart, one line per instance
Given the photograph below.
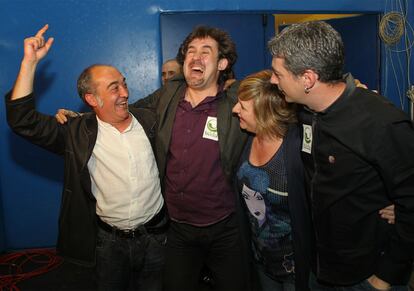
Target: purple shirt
x=196 y=189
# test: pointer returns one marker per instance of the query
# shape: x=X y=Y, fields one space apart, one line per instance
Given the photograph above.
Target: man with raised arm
x=108 y=216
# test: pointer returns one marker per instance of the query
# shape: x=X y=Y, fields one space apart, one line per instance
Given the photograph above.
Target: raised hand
x=35 y=47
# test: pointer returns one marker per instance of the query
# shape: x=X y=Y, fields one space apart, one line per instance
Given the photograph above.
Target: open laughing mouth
x=197 y=69
x=122 y=103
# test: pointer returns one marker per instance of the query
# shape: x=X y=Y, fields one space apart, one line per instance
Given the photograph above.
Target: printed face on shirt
x=201 y=64
x=245 y=112
x=111 y=94
x=255 y=204
x=289 y=84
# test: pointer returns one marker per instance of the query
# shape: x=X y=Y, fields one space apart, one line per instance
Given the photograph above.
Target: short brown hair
x=273 y=113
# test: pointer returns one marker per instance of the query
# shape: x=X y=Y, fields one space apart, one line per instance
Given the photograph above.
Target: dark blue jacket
x=302 y=233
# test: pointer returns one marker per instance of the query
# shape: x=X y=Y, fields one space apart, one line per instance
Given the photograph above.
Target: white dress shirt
x=124 y=176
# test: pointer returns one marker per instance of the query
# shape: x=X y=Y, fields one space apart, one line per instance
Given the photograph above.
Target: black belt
x=158 y=220
x=157 y=224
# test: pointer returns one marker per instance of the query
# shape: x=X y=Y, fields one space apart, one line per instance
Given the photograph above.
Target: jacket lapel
x=89 y=136
x=223 y=121
x=167 y=110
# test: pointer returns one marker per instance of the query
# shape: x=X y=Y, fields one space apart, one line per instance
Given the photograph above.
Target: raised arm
x=35 y=49
x=22 y=116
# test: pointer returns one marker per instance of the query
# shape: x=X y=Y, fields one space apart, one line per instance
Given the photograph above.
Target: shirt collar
x=220 y=94
x=107 y=125
x=349 y=89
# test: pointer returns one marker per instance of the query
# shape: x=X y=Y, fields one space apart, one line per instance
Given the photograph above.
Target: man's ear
x=310 y=78
x=91 y=100
x=222 y=64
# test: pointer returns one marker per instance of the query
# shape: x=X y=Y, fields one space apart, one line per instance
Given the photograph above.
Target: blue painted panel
x=2 y=234
x=360 y=37
x=397 y=61
x=410 y=19
x=301 y=6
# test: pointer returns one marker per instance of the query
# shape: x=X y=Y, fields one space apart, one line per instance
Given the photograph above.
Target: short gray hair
x=314 y=45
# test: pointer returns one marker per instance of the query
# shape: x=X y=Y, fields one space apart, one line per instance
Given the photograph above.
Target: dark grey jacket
x=230 y=137
x=74 y=141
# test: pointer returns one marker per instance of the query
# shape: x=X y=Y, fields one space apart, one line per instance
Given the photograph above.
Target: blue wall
x=397 y=70
x=2 y=234
x=123 y=33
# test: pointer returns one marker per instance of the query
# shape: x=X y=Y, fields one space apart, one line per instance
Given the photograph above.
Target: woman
x=271 y=181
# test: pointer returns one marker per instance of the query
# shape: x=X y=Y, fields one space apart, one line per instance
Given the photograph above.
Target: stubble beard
x=195 y=82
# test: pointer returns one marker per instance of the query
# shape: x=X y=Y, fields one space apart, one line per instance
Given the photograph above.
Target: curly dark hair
x=226 y=47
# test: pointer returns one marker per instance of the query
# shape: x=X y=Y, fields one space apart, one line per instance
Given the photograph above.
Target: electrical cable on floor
x=26 y=264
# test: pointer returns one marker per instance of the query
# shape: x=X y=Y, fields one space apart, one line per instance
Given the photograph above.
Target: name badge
x=307 y=139
x=210 y=129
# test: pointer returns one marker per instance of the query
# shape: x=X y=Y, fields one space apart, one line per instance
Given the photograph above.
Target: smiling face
x=245 y=112
x=291 y=85
x=110 y=97
x=201 y=64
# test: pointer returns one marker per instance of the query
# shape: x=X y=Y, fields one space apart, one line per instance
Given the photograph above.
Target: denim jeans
x=268 y=284
x=136 y=263
x=361 y=286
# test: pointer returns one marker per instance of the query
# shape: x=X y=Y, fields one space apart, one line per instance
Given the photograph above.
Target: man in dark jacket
x=108 y=215
x=199 y=143
x=358 y=155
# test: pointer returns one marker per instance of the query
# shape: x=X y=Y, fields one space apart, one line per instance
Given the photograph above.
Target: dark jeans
x=361 y=286
x=268 y=284
x=130 y=262
x=217 y=246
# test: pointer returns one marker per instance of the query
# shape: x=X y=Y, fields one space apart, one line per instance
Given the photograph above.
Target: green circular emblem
x=212 y=125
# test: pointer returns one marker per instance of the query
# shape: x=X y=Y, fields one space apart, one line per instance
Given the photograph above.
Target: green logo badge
x=212 y=125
